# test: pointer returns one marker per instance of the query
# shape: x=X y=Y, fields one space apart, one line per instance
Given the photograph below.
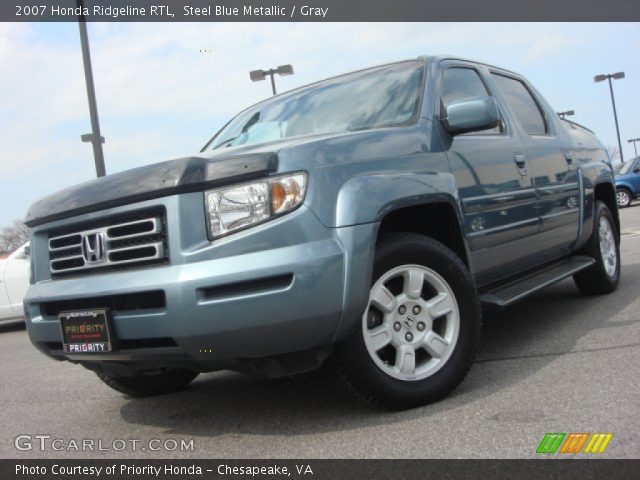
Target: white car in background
x=14 y=281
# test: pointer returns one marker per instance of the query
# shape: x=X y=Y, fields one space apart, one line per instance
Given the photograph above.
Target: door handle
x=521 y=163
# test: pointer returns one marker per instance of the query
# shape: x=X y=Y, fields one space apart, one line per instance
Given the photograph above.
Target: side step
x=507 y=293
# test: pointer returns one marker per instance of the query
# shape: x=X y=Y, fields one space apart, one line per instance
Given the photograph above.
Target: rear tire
x=145 y=385
x=623 y=197
x=431 y=324
x=604 y=247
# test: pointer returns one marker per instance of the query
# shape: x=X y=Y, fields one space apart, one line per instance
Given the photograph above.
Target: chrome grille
x=119 y=242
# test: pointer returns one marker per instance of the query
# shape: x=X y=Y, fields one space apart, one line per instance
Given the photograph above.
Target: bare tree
x=13 y=236
x=614 y=154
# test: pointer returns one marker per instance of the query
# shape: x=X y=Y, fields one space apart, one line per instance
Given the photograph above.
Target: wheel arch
x=370 y=197
x=625 y=185
x=419 y=202
x=438 y=218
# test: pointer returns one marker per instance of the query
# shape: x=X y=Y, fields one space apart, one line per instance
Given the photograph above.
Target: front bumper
x=270 y=290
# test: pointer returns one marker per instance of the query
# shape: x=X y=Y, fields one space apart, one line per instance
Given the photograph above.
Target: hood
x=188 y=174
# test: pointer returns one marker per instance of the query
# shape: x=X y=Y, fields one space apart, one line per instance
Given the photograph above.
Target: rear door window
x=522 y=104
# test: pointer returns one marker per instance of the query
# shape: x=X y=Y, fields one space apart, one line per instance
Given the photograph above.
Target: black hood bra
x=188 y=174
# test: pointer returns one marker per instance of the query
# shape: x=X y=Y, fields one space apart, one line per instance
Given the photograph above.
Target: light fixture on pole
x=282 y=70
x=615 y=76
x=566 y=114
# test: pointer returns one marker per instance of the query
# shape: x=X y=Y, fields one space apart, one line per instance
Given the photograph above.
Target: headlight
x=234 y=208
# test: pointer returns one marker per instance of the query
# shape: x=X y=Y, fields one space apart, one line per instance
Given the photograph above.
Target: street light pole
x=273 y=82
x=634 y=140
x=94 y=137
x=615 y=76
x=615 y=116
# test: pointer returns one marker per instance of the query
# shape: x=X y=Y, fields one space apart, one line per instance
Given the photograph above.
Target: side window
x=459 y=83
x=524 y=106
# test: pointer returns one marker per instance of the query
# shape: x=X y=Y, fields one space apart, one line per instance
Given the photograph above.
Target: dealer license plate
x=87 y=331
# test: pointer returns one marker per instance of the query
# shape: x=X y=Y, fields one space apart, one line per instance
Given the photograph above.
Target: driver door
x=498 y=200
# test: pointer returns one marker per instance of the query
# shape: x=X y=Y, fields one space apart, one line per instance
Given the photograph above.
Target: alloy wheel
x=412 y=322
x=622 y=197
x=608 y=247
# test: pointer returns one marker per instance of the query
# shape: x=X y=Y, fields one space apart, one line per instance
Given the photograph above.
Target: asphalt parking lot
x=556 y=362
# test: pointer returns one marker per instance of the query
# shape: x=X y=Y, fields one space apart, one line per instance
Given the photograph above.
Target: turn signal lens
x=278 y=196
x=287 y=192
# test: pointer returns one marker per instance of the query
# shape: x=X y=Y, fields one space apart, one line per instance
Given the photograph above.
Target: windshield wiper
x=250 y=123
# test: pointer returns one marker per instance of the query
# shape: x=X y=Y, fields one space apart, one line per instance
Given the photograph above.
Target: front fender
x=368 y=198
x=362 y=203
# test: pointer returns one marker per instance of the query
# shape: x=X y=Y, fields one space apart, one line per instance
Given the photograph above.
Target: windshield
x=623 y=168
x=380 y=97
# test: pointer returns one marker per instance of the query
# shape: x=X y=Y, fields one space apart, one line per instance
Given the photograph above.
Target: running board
x=510 y=292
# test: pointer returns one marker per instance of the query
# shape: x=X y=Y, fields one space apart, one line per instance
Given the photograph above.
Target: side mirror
x=471 y=115
x=27 y=250
x=636 y=169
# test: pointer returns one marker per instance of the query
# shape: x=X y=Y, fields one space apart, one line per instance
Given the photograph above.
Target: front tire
x=146 y=385
x=419 y=334
x=623 y=197
x=604 y=247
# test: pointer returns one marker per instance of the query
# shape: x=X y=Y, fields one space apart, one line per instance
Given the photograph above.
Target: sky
x=164 y=89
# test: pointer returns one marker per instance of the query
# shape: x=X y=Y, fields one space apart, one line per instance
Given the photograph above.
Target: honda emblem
x=94 y=247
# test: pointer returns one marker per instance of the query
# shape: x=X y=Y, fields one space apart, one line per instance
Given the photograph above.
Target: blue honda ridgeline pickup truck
x=364 y=218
